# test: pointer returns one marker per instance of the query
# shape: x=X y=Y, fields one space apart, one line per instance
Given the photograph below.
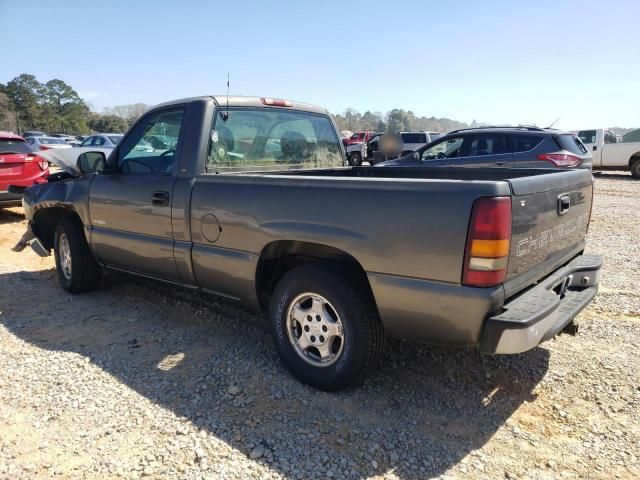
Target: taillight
x=276 y=102
x=42 y=163
x=560 y=159
x=44 y=147
x=487 y=255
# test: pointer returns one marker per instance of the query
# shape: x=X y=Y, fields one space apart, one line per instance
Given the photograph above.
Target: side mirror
x=416 y=156
x=91 y=162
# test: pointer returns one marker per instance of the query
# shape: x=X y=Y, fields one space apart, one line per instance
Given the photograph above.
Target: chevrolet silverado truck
x=608 y=153
x=253 y=202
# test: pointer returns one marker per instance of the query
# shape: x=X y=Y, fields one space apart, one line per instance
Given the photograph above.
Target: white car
x=607 y=153
x=46 y=143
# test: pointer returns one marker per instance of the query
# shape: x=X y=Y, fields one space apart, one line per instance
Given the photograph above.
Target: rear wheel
x=326 y=330
x=635 y=168
x=77 y=270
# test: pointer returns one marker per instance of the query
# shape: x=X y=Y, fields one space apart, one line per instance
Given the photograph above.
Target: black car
x=518 y=147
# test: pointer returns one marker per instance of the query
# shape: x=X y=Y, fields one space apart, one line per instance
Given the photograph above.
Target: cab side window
x=151 y=146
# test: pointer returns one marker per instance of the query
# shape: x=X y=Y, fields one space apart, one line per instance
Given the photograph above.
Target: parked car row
x=62 y=140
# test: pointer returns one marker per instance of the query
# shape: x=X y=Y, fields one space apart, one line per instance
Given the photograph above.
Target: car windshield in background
x=414 y=137
x=587 y=136
x=270 y=140
x=52 y=141
x=115 y=138
x=14 y=146
x=572 y=144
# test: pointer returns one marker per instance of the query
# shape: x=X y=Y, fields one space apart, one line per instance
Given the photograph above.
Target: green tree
x=26 y=94
x=64 y=110
x=8 y=117
x=107 y=123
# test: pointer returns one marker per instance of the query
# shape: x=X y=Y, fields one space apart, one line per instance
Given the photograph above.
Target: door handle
x=595 y=147
x=564 y=202
x=500 y=164
x=160 y=198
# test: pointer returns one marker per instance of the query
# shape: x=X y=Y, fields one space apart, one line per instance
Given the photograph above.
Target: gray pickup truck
x=251 y=200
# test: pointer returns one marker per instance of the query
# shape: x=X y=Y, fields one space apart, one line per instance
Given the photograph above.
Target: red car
x=360 y=137
x=19 y=167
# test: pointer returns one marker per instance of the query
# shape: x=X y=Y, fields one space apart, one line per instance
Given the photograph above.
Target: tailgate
x=550 y=218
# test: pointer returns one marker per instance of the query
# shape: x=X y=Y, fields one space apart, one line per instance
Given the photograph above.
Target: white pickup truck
x=608 y=153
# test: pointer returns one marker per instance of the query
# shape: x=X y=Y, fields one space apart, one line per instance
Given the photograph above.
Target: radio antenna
x=227 y=113
x=552 y=124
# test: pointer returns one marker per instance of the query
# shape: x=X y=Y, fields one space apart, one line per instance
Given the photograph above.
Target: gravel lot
x=143 y=380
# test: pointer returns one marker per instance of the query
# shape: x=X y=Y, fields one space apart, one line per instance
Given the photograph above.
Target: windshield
x=14 y=146
x=259 y=139
x=358 y=136
x=115 y=138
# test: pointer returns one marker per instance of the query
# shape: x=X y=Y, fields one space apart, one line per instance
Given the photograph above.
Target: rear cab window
x=587 y=136
x=571 y=143
x=268 y=139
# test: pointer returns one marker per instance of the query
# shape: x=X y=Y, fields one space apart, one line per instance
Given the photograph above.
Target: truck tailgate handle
x=160 y=198
x=564 y=202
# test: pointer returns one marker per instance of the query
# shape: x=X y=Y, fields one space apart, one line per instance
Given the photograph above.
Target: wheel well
x=279 y=257
x=45 y=222
x=634 y=158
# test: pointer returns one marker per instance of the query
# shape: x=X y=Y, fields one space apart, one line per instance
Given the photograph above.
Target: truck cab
x=609 y=153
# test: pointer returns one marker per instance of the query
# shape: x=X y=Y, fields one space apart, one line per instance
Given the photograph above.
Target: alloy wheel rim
x=64 y=255
x=315 y=329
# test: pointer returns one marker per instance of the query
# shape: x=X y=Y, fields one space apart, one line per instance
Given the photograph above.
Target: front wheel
x=77 y=270
x=325 y=327
x=635 y=169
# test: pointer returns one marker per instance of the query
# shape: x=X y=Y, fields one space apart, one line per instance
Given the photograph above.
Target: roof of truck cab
x=241 y=101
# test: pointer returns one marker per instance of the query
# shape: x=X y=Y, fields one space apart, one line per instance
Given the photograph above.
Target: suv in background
x=520 y=147
x=20 y=167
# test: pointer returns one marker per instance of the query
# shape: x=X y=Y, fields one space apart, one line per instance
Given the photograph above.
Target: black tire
x=356 y=159
x=84 y=274
x=361 y=326
x=635 y=168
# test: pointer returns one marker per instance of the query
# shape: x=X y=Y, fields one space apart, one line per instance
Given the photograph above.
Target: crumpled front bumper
x=541 y=312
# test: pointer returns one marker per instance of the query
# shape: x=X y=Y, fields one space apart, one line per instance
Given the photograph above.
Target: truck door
x=130 y=206
x=592 y=142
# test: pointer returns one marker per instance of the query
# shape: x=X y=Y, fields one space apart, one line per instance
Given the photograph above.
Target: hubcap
x=64 y=255
x=315 y=329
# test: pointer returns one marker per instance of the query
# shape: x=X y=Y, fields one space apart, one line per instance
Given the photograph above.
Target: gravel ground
x=143 y=380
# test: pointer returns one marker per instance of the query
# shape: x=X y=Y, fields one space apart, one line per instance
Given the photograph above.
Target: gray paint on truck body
x=407 y=228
